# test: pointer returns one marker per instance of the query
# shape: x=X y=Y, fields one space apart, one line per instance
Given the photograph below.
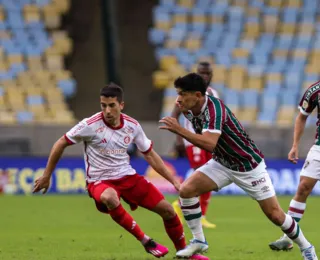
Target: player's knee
x=110 y=198
x=165 y=210
x=187 y=191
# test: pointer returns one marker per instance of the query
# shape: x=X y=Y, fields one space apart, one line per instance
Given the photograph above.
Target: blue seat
x=311 y=77
x=256 y=70
x=170 y=92
x=68 y=87
x=250 y=98
x=35 y=100
x=156 y=36
x=224 y=60
x=42 y=3
x=247 y=44
x=253 y=19
x=257 y=3
x=203 y=4
x=232 y=97
x=268 y=10
x=241 y=61
x=17 y=68
x=288 y=98
x=25 y=117
x=260 y=59
x=272 y=88
x=35 y=25
x=220 y=88
x=1 y=91
x=167 y=3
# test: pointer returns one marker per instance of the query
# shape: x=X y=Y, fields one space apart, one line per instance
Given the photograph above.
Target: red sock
x=174 y=230
x=204 y=202
x=123 y=218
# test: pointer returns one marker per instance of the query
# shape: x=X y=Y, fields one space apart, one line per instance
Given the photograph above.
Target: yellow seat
x=280 y=53
x=33 y=90
x=294 y=3
x=255 y=83
x=240 y=3
x=253 y=11
x=236 y=77
x=300 y=53
x=306 y=28
x=312 y=69
x=168 y=61
x=38 y=110
x=179 y=18
x=15 y=58
x=199 y=19
x=42 y=76
x=287 y=28
x=186 y=3
x=286 y=115
x=240 y=53
x=215 y=19
x=7 y=118
x=64 y=45
x=193 y=44
x=54 y=62
x=51 y=16
x=162 y=25
x=275 y=3
x=270 y=23
x=62 y=75
x=247 y=115
x=34 y=63
x=9 y=83
x=172 y=44
x=176 y=71
x=32 y=17
x=219 y=75
x=62 y=6
x=160 y=79
x=274 y=77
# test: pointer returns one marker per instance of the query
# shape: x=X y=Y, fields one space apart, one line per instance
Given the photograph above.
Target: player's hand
x=293 y=155
x=41 y=183
x=170 y=123
x=176 y=184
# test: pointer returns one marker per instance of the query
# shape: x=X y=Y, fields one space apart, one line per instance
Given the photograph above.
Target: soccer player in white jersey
x=310 y=173
x=109 y=175
x=196 y=156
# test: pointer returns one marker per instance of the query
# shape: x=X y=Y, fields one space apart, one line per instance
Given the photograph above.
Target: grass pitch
x=70 y=228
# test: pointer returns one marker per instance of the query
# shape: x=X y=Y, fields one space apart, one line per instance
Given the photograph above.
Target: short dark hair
x=112 y=90
x=191 y=82
x=204 y=63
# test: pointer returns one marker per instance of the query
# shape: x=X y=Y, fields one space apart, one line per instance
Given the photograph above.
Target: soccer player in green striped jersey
x=310 y=172
x=237 y=160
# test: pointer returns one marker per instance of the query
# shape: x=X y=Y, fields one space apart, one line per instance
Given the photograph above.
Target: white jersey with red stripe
x=187 y=124
x=105 y=147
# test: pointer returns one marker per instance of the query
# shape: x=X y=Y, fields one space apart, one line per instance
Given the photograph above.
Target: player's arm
x=55 y=154
x=207 y=141
x=179 y=145
x=306 y=106
x=158 y=165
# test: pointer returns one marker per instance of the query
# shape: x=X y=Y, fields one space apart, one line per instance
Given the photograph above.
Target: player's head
x=111 y=101
x=204 y=69
x=190 y=89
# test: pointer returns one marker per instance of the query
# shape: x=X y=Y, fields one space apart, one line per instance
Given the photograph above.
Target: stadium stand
x=265 y=53
x=33 y=81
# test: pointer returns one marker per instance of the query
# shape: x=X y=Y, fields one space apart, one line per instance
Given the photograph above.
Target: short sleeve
x=308 y=102
x=215 y=116
x=80 y=132
x=144 y=144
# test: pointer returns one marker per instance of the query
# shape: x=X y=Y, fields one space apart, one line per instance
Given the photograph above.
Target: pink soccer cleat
x=156 y=249
x=198 y=257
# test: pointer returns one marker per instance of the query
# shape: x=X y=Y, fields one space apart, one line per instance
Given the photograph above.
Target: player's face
x=205 y=72
x=187 y=100
x=111 y=109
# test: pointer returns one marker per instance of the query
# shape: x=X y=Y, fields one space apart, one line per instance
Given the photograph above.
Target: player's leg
x=296 y=210
x=289 y=226
x=258 y=185
x=107 y=201
x=208 y=177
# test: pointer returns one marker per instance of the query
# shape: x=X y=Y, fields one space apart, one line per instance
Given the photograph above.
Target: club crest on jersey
x=100 y=129
x=127 y=139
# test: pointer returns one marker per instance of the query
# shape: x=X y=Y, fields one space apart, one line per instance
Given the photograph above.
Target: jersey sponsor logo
x=105 y=151
x=312 y=90
x=304 y=104
x=127 y=139
x=100 y=129
x=255 y=183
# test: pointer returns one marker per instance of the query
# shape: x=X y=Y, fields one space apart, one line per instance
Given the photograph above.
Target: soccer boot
x=283 y=243
x=195 y=246
x=177 y=209
x=205 y=223
x=309 y=253
x=155 y=249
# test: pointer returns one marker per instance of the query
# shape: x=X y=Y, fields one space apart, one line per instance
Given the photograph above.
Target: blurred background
x=55 y=55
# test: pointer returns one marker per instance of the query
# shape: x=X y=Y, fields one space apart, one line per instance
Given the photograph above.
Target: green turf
x=69 y=227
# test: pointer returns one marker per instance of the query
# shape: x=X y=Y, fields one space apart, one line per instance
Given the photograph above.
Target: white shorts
x=311 y=167
x=255 y=183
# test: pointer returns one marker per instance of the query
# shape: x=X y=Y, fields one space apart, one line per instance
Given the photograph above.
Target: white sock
x=192 y=213
x=296 y=210
x=291 y=228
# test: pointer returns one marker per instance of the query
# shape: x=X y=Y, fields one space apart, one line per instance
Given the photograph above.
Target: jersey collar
x=112 y=127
